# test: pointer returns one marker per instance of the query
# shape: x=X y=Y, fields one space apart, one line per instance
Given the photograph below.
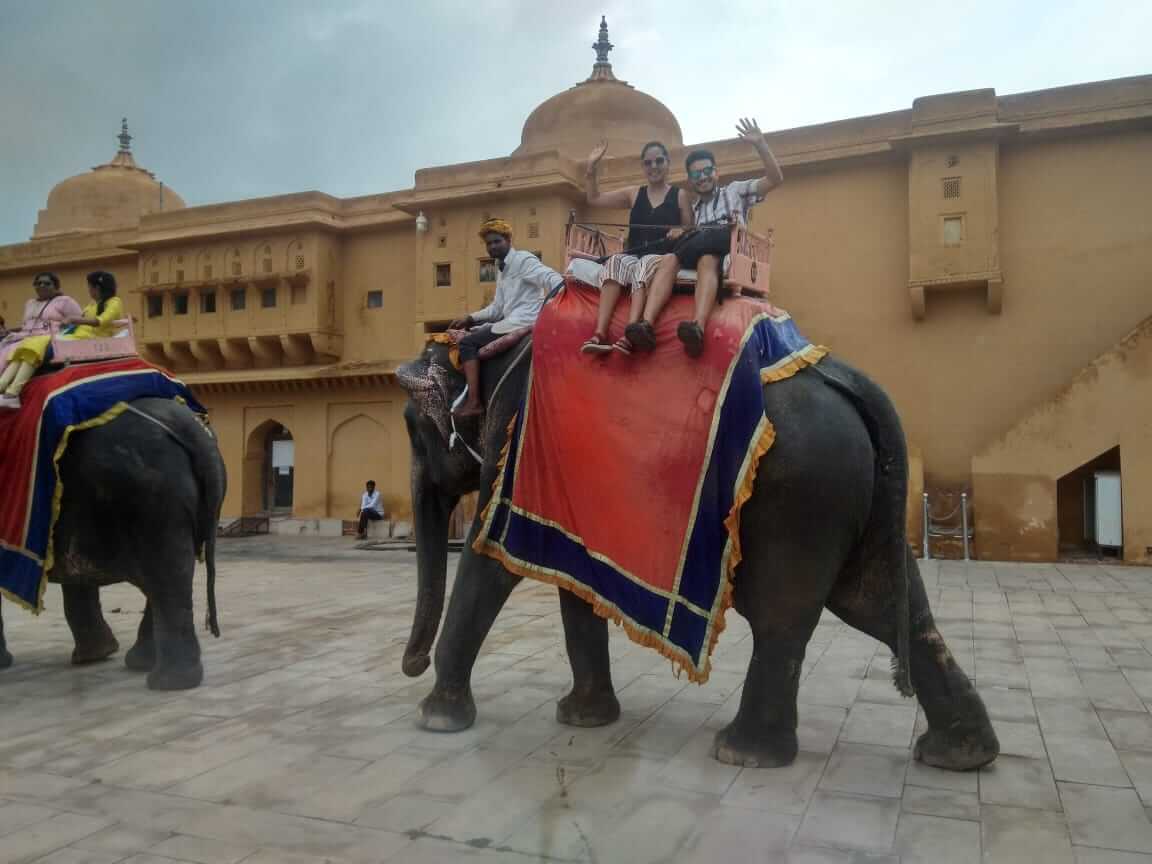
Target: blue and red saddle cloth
x=624 y=477
x=33 y=439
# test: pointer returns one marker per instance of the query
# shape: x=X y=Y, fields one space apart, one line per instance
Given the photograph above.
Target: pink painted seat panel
x=123 y=344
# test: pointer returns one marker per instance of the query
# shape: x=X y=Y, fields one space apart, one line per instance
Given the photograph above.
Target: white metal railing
x=934 y=528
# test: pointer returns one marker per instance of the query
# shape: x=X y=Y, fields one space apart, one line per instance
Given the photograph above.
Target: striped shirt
x=727 y=203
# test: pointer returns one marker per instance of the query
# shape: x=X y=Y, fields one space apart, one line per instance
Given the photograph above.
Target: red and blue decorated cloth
x=32 y=442
x=624 y=476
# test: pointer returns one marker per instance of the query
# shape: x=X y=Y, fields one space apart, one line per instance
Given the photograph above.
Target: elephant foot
x=5 y=658
x=767 y=749
x=588 y=710
x=958 y=749
x=443 y=711
x=173 y=677
x=141 y=657
x=94 y=645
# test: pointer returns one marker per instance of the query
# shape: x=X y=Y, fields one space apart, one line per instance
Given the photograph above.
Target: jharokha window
x=443 y=275
x=155 y=305
x=239 y=299
x=208 y=302
x=179 y=304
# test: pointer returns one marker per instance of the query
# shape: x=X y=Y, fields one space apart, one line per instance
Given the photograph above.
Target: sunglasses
x=702 y=172
x=654 y=163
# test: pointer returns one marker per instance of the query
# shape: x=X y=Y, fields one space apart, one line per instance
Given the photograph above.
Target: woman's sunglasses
x=654 y=163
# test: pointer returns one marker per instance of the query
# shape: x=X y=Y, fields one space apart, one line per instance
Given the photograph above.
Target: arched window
x=234 y=264
x=296 y=259
x=204 y=268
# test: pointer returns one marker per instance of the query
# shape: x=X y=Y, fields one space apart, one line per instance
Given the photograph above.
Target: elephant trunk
x=431 y=511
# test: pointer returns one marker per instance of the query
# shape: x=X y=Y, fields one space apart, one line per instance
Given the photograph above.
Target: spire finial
x=125 y=138
x=602 y=69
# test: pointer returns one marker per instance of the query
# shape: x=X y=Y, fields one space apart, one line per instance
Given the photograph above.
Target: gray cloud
x=232 y=99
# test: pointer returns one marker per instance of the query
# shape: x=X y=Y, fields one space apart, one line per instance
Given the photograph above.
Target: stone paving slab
x=300 y=747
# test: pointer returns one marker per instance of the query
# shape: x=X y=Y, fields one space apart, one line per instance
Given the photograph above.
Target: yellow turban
x=496 y=226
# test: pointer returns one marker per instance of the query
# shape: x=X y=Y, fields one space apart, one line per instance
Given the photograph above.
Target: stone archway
x=269 y=470
x=359 y=450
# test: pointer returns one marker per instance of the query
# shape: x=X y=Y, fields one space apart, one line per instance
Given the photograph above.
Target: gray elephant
x=142 y=499
x=824 y=528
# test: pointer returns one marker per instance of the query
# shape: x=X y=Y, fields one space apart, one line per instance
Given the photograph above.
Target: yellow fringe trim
x=810 y=355
x=50 y=558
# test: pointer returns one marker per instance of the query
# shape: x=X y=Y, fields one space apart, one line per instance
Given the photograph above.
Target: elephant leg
x=5 y=657
x=178 y=664
x=592 y=700
x=91 y=633
x=780 y=589
x=141 y=657
x=960 y=736
x=481 y=589
x=763 y=733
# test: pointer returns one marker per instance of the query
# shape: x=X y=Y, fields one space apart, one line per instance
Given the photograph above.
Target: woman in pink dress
x=48 y=307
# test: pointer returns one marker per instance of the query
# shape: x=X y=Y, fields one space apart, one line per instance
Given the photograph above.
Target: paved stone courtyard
x=300 y=746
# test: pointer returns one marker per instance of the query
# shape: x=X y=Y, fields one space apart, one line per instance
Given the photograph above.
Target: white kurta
x=520 y=291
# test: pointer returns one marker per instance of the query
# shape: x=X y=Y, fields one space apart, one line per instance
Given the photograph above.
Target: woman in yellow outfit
x=98 y=321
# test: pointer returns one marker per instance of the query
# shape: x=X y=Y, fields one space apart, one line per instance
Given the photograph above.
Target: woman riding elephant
x=98 y=319
x=48 y=307
x=658 y=212
x=824 y=528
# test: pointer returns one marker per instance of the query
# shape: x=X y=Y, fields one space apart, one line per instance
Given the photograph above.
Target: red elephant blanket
x=624 y=476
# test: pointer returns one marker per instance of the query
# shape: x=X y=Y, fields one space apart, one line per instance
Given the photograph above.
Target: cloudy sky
x=233 y=99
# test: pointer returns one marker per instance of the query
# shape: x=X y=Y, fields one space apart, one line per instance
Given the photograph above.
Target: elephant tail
x=883 y=553
x=210 y=563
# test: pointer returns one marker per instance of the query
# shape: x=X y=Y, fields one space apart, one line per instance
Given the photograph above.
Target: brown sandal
x=623 y=346
x=596 y=345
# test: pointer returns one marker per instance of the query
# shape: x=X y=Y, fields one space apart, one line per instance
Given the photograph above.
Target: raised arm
x=750 y=131
x=619 y=200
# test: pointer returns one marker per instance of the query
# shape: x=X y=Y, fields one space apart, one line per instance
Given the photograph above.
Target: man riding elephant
x=521 y=286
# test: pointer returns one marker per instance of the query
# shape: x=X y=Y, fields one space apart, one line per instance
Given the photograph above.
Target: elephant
x=142 y=498
x=824 y=528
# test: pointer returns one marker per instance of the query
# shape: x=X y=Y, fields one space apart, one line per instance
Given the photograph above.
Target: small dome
x=601 y=108
x=114 y=195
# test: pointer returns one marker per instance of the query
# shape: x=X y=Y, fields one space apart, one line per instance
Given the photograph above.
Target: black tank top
x=646 y=241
